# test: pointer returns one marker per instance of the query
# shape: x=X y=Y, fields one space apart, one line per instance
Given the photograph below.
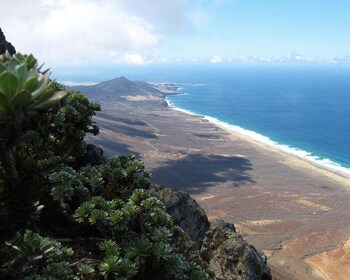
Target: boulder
x=94 y=154
x=230 y=257
x=4 y=45
x=186 y=213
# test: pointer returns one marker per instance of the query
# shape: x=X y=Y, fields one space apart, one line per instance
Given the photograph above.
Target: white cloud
x=340 y=60
x=216 y=59
x=170 y=17
x=219 y=2
x=134 y=59
x=76 y=32
x=288 y=58
x=198 y=17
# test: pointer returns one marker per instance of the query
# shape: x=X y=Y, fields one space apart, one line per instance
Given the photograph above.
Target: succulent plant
x=24 y=87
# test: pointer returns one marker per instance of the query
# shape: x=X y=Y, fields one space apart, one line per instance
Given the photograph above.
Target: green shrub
x=64 y=217
x=37 y=138
x=23 y=88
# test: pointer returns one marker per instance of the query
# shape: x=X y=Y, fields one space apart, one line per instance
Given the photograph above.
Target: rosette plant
x=54 y=194
x=42 y=130
x=24 y=89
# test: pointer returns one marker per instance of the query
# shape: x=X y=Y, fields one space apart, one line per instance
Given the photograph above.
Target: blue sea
x=301 y=109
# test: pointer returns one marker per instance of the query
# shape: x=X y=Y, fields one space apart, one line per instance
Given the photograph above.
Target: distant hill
x=120 y=88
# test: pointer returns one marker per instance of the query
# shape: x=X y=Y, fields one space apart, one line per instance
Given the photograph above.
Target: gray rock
x=5 y=46
x=230 y=257
x=94 y=154
x=186 y=213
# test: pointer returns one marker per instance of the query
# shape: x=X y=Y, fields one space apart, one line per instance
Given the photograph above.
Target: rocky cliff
x=4 y=45
x=228 y=254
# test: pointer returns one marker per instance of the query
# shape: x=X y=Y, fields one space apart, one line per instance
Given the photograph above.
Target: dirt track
x=298 y=214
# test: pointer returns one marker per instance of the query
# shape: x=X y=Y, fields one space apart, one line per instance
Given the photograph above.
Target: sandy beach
x=295 y=211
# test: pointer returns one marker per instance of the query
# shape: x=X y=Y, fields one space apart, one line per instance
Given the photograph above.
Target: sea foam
x=324 y=163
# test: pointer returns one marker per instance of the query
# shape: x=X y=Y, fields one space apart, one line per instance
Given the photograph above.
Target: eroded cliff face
x=228 y=254
x=186 y=213
x=4 y=45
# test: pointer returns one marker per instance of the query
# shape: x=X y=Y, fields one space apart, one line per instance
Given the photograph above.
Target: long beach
x=294 y=211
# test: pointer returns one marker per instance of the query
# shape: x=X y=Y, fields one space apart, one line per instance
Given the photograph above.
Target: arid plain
x=294 y=211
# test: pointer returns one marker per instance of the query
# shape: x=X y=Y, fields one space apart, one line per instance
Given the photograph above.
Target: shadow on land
x=122 y=120
x=126 y=130
x=112 y=147
x=206 y=136
x=196 y=172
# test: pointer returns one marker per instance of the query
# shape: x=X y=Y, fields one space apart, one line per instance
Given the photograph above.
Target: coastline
x=311 y=164
x=320 y=263
x=296 y=212
x=326 y=166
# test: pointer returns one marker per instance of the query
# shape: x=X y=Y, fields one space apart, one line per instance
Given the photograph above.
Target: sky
x=142 y=32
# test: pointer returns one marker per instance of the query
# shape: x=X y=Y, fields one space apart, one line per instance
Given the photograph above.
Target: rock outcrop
x=230 y=257
x=94 y=154
x=4 y=45
x=186 y=213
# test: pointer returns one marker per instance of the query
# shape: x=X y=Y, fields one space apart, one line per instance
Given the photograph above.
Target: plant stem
x=9 y=165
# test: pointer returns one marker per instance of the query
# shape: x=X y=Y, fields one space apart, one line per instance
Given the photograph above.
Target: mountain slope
x=120 y=88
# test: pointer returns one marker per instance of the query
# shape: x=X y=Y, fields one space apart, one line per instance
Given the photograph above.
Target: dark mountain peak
x=4 y=45
x=122 y=79
x=118 y=88
x=118 y=80
x=121 y=85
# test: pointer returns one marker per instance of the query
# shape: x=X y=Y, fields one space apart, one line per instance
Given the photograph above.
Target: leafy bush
x=38 y=136
x=23 y=88
x=36 y=254
x=63 y=216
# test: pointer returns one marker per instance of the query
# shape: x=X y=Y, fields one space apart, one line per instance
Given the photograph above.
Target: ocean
x=301 y=109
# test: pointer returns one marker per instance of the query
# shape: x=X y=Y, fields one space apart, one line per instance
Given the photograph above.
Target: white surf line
x=316 y=161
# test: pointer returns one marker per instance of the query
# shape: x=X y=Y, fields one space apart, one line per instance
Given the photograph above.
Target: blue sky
x=276 y=27
x=101 y=32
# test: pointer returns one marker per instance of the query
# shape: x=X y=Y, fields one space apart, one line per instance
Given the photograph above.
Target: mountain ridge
x=118 y=88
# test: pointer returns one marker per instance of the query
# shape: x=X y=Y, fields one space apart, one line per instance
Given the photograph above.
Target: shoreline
x=293 y=210
x=325 y=166
x=327 y=170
